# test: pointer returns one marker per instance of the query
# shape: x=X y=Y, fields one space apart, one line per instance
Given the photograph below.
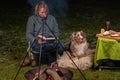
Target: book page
x=44 y=38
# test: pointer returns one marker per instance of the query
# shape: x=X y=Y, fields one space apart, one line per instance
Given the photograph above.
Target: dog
x=47 y=73
x=79 y=54
x=79 y=44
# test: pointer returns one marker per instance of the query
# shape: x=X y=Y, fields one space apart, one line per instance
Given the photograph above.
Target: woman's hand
x=41 y=41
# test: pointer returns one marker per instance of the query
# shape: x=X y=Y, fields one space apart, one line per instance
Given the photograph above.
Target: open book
x=44 y=38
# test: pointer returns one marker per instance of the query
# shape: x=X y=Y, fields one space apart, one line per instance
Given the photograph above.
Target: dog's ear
x=83 y=34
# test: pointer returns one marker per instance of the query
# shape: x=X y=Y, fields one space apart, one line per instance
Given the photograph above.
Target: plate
x=106 y=33
x=115 y=35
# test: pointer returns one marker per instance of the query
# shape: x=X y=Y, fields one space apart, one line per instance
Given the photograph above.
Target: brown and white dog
x=79 y=44
x=79 y=53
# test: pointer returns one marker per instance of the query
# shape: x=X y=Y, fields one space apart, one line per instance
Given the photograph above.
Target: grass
x=13 y=44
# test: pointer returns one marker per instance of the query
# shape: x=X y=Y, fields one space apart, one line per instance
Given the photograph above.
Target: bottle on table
x=107 y=25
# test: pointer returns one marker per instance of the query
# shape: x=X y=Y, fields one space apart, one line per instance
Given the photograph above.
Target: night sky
x=71 y=3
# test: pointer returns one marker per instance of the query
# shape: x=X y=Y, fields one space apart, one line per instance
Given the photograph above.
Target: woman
x=43 y=24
